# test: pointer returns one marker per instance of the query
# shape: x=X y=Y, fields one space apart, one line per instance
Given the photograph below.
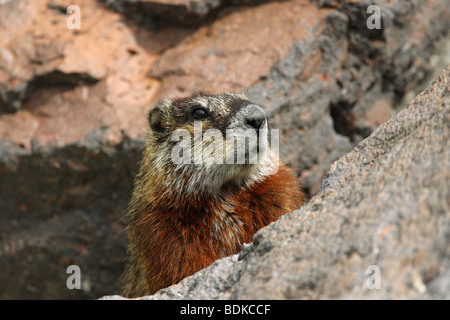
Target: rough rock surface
x=184 y=12
x=385 y=204
x=73 y=107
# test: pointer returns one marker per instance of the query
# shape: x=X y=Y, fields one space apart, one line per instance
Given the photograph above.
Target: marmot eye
x=199 y=113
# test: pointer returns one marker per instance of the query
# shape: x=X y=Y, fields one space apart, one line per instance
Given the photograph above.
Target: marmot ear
x=156 y=120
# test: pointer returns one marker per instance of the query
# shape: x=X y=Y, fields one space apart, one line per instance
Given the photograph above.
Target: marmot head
x=205 y=142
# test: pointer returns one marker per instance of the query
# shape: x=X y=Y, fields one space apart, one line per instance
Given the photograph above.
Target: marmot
x=182 y=217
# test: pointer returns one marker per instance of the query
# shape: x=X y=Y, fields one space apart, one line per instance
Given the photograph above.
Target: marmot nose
x=255 y=121
x=253 y=116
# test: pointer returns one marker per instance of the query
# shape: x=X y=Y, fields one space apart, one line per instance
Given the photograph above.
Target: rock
x=73 y=106
x=104 y=50
x=383 y=205
x=234 y=51
x=334 y=88
x=188 y=13
x=55 y=213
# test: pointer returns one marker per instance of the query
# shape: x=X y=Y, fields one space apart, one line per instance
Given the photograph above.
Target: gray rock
x=384 y=204
x=58 y=212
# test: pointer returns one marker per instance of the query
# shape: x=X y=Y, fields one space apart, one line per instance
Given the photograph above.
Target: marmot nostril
x=253 y=116
x=255 y=122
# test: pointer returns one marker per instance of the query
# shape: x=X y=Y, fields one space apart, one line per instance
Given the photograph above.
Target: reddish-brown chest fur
x=180 y=235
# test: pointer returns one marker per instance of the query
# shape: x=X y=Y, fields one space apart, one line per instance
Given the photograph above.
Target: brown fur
x=173 y=234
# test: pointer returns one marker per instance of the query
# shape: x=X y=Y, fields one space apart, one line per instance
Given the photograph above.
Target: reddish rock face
x=234 y=51
x=74 y=103
x=97 y=75
x=120 y=71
